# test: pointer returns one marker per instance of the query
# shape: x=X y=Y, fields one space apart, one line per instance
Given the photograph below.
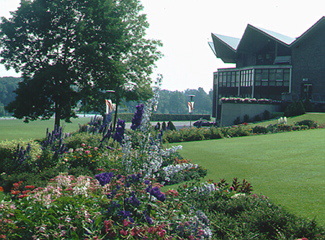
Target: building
x=271 y=65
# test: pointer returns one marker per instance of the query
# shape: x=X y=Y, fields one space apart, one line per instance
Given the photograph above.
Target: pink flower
x=124 y=232
x=87 y=152
x=161 y=233
x=126 y=223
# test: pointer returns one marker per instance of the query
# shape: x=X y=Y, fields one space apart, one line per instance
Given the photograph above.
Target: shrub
x=215 y=133
x=236 y=131
x=309 y=123
x=243 y=216
x=257 y=118
x=266 y=115
x=181 y=172
x=246 y=118
x=19 y=156
x=171 y=126
x=294 y=109
x=259 y=130
x=284 y=128
x=77 y=139
x=237 y=121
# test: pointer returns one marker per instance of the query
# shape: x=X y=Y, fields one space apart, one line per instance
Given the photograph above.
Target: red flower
x=30 y=186
x=22 y=196
x=161 y=232
x=15 y=192
x=108 y=225
x=172 y=193
x=124 y=232
x=126 y=223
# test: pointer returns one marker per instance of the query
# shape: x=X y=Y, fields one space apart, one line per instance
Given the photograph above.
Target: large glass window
x=286 y=77
x=279 y=77
x=237 y=79
x=233 y=79
x=272 y=77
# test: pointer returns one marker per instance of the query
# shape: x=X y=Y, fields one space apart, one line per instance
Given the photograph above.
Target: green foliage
x=236 y=131
x=259 y=129
x=247 y=217
x=237 y=121
x=76 y=139
x=267 y=115
x=63 y=50
x=246 y=118
x=294 y=109
x=18 y=156
x=257 y=118
x=175 y=102
x=309 y=123
x=171 y=126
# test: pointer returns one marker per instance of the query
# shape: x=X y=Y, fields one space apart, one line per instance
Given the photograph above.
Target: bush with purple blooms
x=137 y=118
x=119 y=131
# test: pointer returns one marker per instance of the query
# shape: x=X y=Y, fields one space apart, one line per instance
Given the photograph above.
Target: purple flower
x=119 y=132
x=133 y=200
x=104 y=178
x=147 y=218
x=156 y=193
x=125 y=214
x=137 y=118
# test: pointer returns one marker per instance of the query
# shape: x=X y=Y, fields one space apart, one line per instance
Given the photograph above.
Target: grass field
x=318 y=117
x=287 y=167
x=16 y=129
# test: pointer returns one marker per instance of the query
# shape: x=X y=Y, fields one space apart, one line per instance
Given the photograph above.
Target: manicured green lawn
x=318 y=117
x=289 y=168
x=16 y=129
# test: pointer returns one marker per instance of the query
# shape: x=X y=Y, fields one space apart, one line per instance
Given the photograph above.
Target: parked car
x=204 y=123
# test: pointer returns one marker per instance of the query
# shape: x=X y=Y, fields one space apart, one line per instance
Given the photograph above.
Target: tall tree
x=72 y=50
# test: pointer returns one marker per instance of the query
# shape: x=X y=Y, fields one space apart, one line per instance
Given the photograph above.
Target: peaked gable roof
x=226 y=47
x=277 y=36
x=230 y=41
x=317 y=26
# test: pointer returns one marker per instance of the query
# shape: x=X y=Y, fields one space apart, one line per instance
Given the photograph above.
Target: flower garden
x=103 y=184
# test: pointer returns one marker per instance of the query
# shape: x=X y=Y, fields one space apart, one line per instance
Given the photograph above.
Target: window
x=237 y=79
x=272 y=77
x=279 y=75
x=286 y=77
x=265 y=75
x=233 y=79
x=228 y=79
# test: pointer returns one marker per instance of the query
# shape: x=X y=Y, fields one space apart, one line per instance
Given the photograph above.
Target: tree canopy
x=72 y=50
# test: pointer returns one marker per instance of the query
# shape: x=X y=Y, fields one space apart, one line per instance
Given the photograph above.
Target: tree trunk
x=57 y=116
x=115 y=116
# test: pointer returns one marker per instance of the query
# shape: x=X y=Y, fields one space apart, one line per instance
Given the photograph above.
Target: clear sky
x=185 y=27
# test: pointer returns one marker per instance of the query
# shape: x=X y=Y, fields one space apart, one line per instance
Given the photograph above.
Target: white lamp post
x=190 y=105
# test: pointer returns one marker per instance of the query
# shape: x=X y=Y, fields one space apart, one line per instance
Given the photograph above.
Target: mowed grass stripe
x=14 y=129
x=287 y=167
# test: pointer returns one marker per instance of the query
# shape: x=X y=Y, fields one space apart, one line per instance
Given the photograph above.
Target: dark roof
x=253 y=39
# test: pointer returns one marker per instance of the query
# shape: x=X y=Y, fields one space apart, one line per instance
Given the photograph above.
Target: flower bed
x=249 y=100
x=111 y=188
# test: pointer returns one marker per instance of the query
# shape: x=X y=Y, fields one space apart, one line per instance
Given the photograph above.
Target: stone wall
x=230 y=111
